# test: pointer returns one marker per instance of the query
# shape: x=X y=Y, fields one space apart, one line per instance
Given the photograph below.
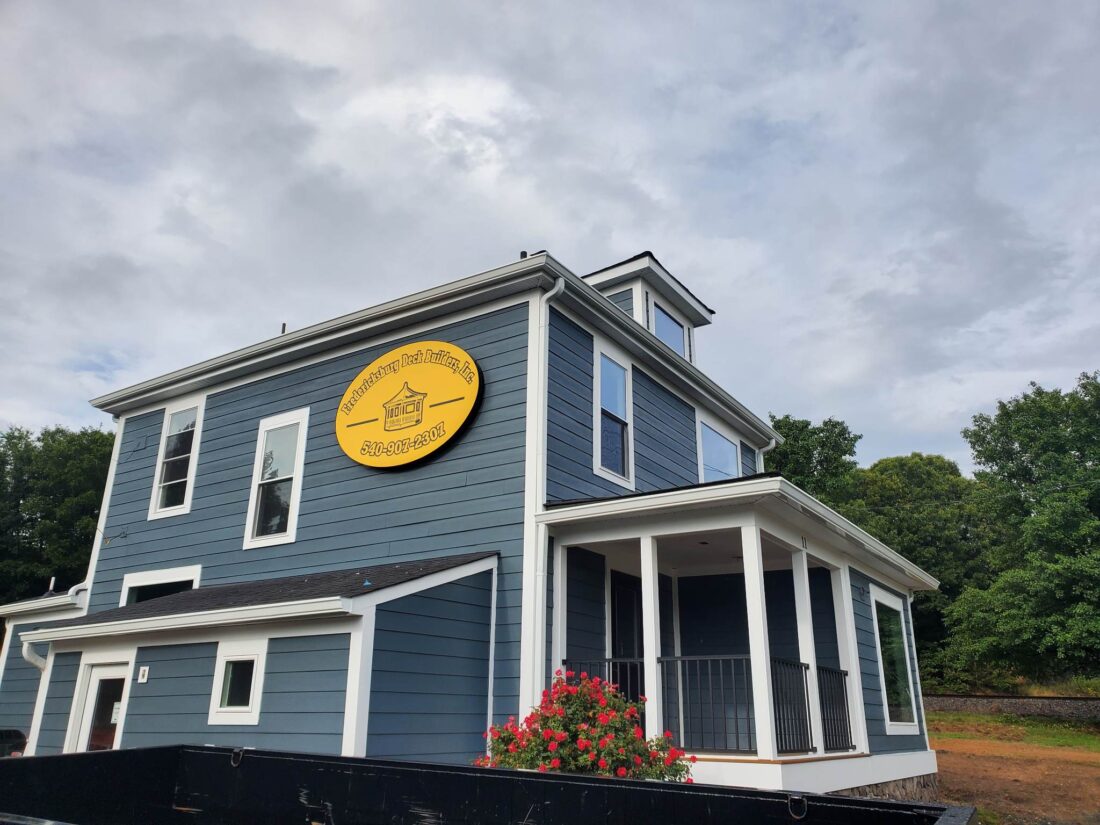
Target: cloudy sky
x=893 y=207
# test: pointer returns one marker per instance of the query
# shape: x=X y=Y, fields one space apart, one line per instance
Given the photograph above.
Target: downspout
x=32 y=657
x=765 y=450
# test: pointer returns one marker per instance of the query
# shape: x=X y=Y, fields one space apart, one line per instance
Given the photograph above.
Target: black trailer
x=201 y=785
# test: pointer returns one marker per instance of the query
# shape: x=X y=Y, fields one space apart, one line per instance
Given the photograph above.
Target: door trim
x=121 y=658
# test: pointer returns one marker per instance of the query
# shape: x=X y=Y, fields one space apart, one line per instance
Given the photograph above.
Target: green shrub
x=585 y=725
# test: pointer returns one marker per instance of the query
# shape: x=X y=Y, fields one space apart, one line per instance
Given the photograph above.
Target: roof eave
x=529 y=273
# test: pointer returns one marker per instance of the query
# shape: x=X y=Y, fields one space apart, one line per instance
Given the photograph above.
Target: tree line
x=1016 y=548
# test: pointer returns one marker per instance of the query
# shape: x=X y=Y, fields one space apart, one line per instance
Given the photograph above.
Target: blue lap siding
x=430 y=674
x=586 y=617
x=878 y=739
x=468 y=497
x=665 y=451
x=302 y=708
x=624 y=300
x=59 y=701
x=19 y=688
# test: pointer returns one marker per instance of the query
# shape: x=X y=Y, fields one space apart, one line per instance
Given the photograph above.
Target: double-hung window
x=895 y=677
x=277 y=479
x=718 y=455
x=238 y=683
x=614 y=459
x=177 y=458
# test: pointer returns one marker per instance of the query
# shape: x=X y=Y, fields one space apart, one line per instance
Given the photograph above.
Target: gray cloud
x=892 y=207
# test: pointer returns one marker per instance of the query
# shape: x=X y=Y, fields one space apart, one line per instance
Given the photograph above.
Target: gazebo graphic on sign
x=406 y=409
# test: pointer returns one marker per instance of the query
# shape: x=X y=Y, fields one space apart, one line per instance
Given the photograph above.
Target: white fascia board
x=735 y=493
x=514 y=278
x=42 y=605
x=305 y=609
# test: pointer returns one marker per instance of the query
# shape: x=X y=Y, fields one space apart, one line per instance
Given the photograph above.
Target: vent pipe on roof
x=523 y=254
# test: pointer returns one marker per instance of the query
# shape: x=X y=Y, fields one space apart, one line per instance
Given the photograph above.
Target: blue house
x=377 y=535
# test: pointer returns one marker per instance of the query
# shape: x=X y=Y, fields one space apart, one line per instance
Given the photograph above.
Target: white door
x=102 y=710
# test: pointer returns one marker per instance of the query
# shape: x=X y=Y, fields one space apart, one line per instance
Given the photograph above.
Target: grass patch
x=1010 y=728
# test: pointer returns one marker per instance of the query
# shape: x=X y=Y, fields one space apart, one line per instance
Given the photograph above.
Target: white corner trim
x=40 y=705
x=197 y=401
x=254 y=650
x=894 y=603
x=357 y=695
x=101 y=525
x=191 y=573
x=301 y=418
x=309 y=608
x=600 y=348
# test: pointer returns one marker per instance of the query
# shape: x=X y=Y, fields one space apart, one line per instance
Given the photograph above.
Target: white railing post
x=651 y=638
x=806 y=651
x=759 y=652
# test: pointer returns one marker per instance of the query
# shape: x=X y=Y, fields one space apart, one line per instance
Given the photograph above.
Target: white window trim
x=301 y=418
x=685 y=327
x=191 y=573
x=599 y=349
x=894 y=602
x=237 y=651
x=723 y=430
x=199 y=402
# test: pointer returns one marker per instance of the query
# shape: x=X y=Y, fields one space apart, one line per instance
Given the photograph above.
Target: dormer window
x=669 y=330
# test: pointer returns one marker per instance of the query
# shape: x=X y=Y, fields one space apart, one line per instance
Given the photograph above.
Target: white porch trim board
x=651 y=639
x=807 y=651
x=763 y=702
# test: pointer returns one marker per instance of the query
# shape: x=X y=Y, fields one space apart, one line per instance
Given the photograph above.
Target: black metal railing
x=791 y=697
x=707 y=702
x=836 y=727
x=628 y=674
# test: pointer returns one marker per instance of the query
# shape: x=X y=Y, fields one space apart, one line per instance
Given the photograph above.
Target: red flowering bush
x=585 y=725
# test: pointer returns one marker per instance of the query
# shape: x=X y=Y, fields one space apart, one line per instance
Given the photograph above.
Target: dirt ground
x=1036 y=783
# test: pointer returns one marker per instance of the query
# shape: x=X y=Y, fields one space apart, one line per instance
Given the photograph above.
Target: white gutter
x=734 y=493
x=309 y=608
x=42 y=605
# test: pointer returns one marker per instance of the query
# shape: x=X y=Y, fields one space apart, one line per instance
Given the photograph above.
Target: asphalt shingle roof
x=357 y=581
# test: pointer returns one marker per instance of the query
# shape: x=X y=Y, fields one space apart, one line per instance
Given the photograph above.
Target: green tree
x=923 y=507
x=819 y=458
x=51 y=487
x=1039 y=464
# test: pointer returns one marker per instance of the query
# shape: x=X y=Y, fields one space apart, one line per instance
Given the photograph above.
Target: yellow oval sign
x=407 y=404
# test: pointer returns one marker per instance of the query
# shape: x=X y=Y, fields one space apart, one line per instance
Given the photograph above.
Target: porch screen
x=895 y=669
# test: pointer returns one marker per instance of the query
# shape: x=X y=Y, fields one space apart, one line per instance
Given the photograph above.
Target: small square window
x=238 y=687
x=719 y=455
x=237 y=683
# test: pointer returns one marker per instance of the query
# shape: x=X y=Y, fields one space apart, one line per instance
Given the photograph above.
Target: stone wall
x=1082 y=709
x=923 y=788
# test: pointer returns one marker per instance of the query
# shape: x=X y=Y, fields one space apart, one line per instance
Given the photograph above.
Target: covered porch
x=733 y=636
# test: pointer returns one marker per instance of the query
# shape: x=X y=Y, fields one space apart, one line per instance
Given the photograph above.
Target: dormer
x=643 y=289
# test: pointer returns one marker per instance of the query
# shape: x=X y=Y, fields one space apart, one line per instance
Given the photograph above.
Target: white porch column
x=558 y=648
x=849 y=655
x=532 y=646
x=651 y=638
x=758 y=642
x=806 y=651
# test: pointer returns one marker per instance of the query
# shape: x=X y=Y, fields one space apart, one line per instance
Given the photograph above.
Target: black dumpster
x=200 y=785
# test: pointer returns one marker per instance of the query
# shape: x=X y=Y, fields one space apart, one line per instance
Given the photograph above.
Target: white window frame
x=685 y=327
x=254 y=650
x=894 y=602
x=180 y=404
x=723 y=430
x=191 y=573
x=301 y=418
x=601 y=348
